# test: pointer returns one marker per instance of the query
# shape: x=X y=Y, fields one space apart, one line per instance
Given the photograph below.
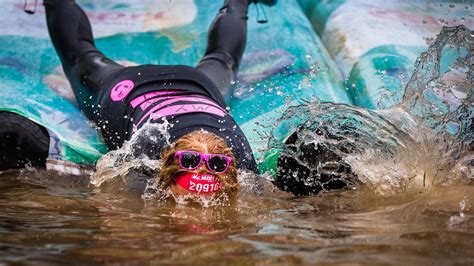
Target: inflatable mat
x=285 y=64
x=375 y=43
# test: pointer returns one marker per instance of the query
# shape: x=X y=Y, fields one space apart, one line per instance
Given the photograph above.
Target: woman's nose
x=203 y=168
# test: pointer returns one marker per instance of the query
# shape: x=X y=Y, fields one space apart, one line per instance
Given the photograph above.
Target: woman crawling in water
x=207 y=146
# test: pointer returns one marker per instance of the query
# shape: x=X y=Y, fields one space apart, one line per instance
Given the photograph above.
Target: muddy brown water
x=48 y=218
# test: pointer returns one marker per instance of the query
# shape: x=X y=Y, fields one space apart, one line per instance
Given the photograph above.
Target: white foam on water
x=460 y=221
x=118 y=163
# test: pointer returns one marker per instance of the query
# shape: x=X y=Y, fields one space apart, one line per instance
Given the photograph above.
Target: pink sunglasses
x=190 y=160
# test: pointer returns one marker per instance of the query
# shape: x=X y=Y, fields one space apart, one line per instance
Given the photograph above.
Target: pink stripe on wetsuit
x=170 y=106
x=142 y=98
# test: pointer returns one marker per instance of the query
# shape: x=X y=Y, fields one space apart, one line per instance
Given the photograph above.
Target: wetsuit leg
x=22 y=142
x=226 y=43
x=85 y=66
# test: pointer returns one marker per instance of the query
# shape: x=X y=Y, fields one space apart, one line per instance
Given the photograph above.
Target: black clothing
x=92 y=74
x=186 y=80
x=22 y=142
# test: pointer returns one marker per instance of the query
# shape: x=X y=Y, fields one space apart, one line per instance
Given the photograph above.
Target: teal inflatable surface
x=284 y=64
x=375 y=43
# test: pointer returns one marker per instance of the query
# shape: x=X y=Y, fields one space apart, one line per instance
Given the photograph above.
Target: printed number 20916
x=204 y=187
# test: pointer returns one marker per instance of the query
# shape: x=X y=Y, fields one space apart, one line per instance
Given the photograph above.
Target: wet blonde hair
x=199 y=141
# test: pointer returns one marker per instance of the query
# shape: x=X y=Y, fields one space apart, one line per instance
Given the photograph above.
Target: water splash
x=135 y=168
x=440 y=91
x=249 y=183
x=338 y=146
x=426 y=140
x=136 y=163
x=248 y=186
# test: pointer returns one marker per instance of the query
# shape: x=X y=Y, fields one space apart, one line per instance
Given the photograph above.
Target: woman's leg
x=226 y=43
x=86 y=67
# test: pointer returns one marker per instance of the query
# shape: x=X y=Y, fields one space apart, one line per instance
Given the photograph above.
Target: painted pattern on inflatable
x=131 y=16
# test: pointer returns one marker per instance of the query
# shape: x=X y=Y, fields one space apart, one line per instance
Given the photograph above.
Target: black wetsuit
x=122 y=99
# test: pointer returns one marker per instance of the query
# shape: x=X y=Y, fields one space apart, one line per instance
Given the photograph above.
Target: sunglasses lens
x=217 y=164
x=190 y=160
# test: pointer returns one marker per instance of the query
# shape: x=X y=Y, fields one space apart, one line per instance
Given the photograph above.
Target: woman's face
x=196 y=151
x=204 y=179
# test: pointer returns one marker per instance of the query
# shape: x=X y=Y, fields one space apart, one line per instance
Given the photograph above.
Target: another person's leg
x=85 y=66
x=226 y=43
x=22 y=142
